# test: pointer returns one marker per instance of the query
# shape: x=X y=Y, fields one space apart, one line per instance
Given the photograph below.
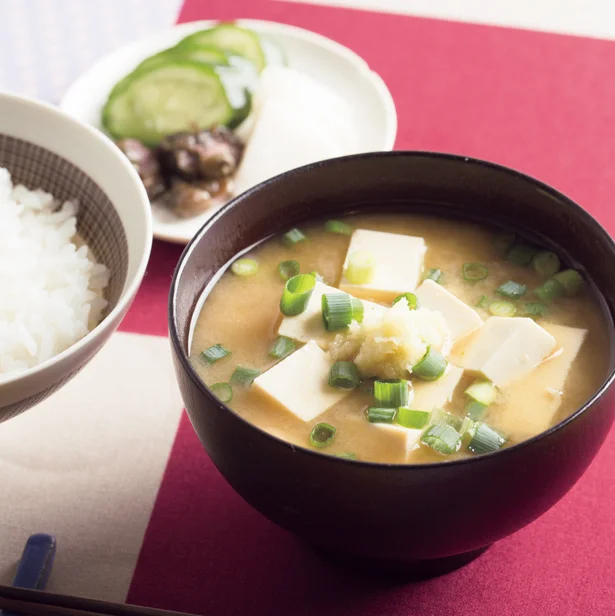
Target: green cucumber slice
x=196 y=53
x=200 y=53
x=232 y=39
x=175 y=96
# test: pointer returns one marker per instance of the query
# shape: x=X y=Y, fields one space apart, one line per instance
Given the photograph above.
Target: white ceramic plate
x=331 y=63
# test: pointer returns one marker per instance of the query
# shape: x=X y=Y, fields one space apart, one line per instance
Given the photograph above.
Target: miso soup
x=401 y=338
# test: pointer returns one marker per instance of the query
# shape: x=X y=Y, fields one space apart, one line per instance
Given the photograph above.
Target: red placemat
x=537 y=102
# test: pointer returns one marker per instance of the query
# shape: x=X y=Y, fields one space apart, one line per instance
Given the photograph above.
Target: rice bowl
x=60 y=160
x=53 y=287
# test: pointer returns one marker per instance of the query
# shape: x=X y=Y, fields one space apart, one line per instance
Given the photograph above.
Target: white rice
x=51 y=287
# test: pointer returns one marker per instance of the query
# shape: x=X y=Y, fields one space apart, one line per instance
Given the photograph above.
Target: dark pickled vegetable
x=209 y=154
x=146 y=164
x=186 y=200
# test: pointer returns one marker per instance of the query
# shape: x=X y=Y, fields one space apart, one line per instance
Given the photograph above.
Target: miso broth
x=242 y=314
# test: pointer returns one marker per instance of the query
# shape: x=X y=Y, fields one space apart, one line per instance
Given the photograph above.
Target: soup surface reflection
x=242 y=313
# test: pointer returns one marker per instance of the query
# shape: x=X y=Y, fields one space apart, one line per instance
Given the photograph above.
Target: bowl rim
x=183 y=357
x=130 y=286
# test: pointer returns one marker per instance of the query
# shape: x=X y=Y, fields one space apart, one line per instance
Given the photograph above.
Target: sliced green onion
x=244 y=376
x=288 y=269
x=378 y=414
x=348 y=455
x=222 y=391
x=440 y=416
x=339 y=310
x=357 y=310
x=391 y=393
x=512 y=289
x=502 y=309
x=442 y=438
x=361 y=267
x=482 y=391
x=410 y=418
x=431 y=367
x=467 y=427
x=244 y=267
x=475 y=410
x=296 y=295
x=435 y=275
x=411 y=298
x=282 y=347
x=546 y=263
x=571 y=280
x=503 y=241
x=483 y=302
x=485 y=439
x=318 y=277
x=292 y=237
x=536 y=309
x=550 y=290
x=481 y=394
x=472 y=272
x=322 y=434
x=521 y=254
x=337 y=226
x=214 y=353
x=344 y=375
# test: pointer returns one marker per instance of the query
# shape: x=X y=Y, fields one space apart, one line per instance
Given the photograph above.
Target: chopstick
x=35 y=564
x=36 y=603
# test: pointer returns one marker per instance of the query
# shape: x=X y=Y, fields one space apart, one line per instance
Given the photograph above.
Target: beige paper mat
x=86 y=464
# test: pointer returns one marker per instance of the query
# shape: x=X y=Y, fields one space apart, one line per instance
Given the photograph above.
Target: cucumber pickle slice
x=174 y=96
x=232 y=39
x=194 y=53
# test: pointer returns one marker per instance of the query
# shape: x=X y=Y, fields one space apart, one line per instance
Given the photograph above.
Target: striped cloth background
x=111 y=465
x=47 y=44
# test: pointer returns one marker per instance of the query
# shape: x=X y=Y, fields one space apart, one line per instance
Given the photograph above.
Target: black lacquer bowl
x=429 y=518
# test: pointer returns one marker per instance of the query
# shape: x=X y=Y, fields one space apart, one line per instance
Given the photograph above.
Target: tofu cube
x=299 y=383
x=429 y=395
x=460 y=318
x=398 y=264
x=396 y=438
x=542 y=389
x=309 y=324
x=506 y=349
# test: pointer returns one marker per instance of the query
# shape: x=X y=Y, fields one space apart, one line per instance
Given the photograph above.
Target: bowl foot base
x=401 y=570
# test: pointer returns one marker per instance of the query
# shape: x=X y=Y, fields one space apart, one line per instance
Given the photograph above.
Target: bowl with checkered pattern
x=44 y=148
